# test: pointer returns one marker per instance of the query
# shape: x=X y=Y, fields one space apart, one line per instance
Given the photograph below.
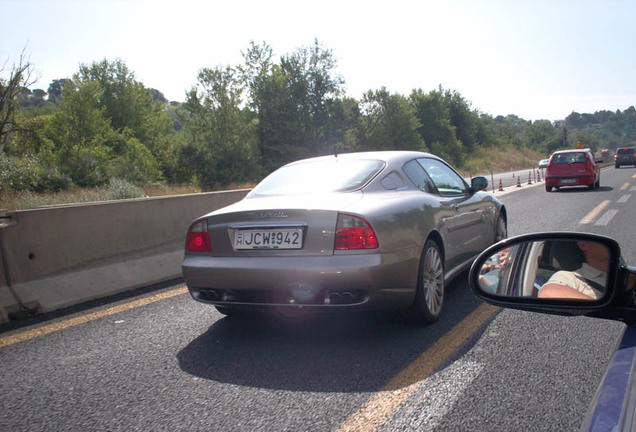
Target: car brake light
x=198 y=239
x=354 y=233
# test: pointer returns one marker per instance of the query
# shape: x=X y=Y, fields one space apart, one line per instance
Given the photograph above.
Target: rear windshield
x=319 y=176
x=567 y=158
x=625 y=151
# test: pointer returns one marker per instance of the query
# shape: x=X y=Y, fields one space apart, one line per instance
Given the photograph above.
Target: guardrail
x=58 y=256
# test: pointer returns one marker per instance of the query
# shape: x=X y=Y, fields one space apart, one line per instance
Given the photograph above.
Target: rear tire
x=429 y=297
x=501 y=229
x=548 y=188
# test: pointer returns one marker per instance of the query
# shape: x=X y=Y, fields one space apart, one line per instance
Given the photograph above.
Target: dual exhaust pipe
x=332 y=297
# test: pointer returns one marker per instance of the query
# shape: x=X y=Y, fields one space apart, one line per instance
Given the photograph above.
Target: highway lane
x=532 y=371
x=173 y=364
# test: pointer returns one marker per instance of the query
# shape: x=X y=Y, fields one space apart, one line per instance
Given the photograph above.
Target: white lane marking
x=623 y=199
x=632 y=189
x=606 y=218
x=433 y=399
x=592 y=215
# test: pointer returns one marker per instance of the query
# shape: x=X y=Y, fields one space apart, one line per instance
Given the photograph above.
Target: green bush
x=31 y=174
x=122 y=189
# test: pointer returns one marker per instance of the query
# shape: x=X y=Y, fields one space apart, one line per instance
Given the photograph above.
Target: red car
x=572 y=168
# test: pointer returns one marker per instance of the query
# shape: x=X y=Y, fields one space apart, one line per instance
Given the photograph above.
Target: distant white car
x=543 y=163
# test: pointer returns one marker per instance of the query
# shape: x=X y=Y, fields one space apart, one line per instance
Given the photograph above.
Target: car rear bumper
x=364 y=281
x=569 y=181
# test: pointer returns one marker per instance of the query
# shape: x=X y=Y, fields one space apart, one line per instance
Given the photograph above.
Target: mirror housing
x=479 y=183
x=618 y=301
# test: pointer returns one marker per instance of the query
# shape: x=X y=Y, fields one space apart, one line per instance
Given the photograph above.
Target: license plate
x=566 y=181
x=279 y=238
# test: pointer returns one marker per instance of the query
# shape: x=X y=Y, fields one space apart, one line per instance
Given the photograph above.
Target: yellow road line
x=625 y=186
x=594 y=213
x=41 y=331
x=382 y=404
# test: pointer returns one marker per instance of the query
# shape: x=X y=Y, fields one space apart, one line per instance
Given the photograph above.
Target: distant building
x=559 y=124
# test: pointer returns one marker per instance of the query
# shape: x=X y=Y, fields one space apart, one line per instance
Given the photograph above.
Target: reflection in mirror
x=565 y=269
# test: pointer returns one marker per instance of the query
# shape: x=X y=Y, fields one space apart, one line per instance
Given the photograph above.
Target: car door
x=465 y=217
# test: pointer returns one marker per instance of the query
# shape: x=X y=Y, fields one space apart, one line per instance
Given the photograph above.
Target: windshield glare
x=320 y=176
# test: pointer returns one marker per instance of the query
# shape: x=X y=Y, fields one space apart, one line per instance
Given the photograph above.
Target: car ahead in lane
x=348 y=231
x=569 y=273
x=543 y=163
x=625 y=156
x=572 y=168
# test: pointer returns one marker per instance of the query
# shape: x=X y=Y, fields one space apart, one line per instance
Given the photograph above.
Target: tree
x=463 y=119
x=433 y=114
x=20 y=78
x=216 y=141
x=253 y=76
x=542 y=137
x=81 y=131
x=130 y=108
x=390 y=122
x=157 y=96
x=55 y=89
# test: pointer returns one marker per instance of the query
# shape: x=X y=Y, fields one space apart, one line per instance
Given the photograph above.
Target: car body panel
x=401 y=215
x=612 y=408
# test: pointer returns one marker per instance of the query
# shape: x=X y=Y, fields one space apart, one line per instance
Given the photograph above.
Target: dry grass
x=504 y=159
x=22 y=200
x=480 y=162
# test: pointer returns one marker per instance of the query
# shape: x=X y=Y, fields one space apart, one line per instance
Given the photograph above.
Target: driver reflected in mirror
x=586 y=282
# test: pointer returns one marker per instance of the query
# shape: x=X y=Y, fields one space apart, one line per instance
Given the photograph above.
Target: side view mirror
x=479 y=183
x=560 y=273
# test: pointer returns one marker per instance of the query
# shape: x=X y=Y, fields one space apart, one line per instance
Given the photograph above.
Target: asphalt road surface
x=162 y=362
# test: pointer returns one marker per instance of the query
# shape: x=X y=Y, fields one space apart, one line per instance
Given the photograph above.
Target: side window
x=416 y=174
x=393 y=181
x=447 y=181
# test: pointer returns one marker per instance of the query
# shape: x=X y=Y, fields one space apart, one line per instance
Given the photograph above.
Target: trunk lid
x=278 y=226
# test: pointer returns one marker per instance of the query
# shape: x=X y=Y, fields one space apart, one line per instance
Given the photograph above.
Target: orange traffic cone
x=529 y=178
x=518 y=181
x=500 y=186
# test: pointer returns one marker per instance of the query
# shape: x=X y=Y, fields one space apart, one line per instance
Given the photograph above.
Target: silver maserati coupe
x=383 y=230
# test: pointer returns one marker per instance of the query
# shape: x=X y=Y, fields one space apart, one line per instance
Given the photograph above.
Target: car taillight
x=198 y=239
x=353 y=232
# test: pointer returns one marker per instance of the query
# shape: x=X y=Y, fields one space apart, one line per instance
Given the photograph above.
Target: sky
x=537 y=59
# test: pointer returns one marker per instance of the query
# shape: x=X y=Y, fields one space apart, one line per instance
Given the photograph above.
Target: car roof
x=390 y=156
x=572 y=151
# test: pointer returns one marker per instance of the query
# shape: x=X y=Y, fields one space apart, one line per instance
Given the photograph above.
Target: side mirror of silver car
x=479 y=183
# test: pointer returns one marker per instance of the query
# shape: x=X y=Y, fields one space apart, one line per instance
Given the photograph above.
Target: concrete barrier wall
x=55 y=257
